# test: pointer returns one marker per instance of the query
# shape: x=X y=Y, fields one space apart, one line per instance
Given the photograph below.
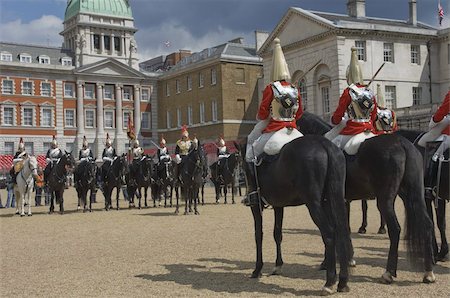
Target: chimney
x=412 y=12
x=356 y=8
x=260 y=38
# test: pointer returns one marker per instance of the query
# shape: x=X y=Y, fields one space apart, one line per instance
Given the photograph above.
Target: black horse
x=56 y=181
x=308 y=171
x=440 y=204
x=222 y=175
x=141 y=177
x=164 y=180
x=384 y=167
x=190 y=178
x=113 y=179
x=86 y=173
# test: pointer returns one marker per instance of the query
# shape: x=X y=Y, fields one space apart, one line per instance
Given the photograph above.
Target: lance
x=373 y=77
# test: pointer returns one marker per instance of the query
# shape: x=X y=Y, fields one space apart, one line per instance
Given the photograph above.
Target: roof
x=54 y=53
x=115 y=8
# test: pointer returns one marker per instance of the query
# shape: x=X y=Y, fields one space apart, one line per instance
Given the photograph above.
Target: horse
x=143 y=177
x=190 y=172
x=204 y=177
x=57 y=181
x=440 y=204
x=24 y=185
x=87 y=174
x=164 y=181
x=307 y=171
x=384 y=167
x=113 y=179
x=223 y=174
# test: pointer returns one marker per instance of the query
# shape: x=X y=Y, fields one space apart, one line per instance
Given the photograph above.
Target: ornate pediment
x=109 y=67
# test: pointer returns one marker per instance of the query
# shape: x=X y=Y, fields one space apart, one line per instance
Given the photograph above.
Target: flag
x=130 y=129
x=440 y=13
x=167 y=43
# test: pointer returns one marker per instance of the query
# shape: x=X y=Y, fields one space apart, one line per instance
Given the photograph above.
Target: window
x=145 y=120
x=107 y=41
x=25 y=58
x=214 y=110
x=117 y=44
x=69 y=89
x=89 y=120
x=189 y=115
x=109 y=92
x=7 y=87
x=213 y=76
x=44 y=59
x=177 y=86
x=127 y=93
x=415 y=54
x=389 y=97
x=360 y=46
x=69 y=118
x=126 y=117
x=66 y=61
x=29 y=147
x=417 y=95
x=201 y=80
x=109 y=119
x=5 y=56
x=167 y=89
x=168 y=119
x=8 y=116
x=47 y=145
x=202 y=112
x=89 y=91
x=388 y=52
x=240 y=75
x=145 y=94
x=178 y=117
x=46 y=89
x=325 y=99
x=240 y=108
x=96 y=41
x=303 y=94
x=27 y=87
x=47 y=117
x=9 y=148
x=189 y=83
x=27 y=117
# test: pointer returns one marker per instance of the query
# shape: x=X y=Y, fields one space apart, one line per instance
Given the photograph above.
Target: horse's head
x=68 y=159
x=33 y=165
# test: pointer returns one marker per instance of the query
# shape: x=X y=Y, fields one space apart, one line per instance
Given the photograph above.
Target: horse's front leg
x=440 y=218
x=61 y=202
x=225 y=192
x=197 y=200
x=177 y=195
x=257 y=218
x=232 y=191
x=362 y=228
x=145 y=197
x=52 y=202
x=278 y=236
x=117 y=197
x=29 y=202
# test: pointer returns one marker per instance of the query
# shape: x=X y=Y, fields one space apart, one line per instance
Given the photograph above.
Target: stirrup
x=251 y=199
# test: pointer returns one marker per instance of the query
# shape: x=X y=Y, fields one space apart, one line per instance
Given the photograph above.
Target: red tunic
x=264 y=110
x=442 y=112
x=352 y=127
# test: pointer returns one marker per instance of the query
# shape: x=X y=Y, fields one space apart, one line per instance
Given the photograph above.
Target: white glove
x=48 y=160
x=177 y=158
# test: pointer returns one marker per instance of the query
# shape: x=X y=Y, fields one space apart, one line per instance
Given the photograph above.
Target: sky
x=192 y=24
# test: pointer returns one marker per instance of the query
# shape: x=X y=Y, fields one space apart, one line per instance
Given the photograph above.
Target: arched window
x=301 y=85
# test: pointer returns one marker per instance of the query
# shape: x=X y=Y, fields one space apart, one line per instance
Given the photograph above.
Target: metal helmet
x=21 y=147
x=380 y=97
x=108 y=140
x=280 y=70
x=162 y=142
x=54 y=142
x=184 y=131
x=135 y=143
x=221 y=142
x=85 y=143
x=354 y=71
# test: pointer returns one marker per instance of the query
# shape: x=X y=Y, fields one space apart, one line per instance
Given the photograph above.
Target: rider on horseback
x=222 y=152
x=108 y=155
x=85 y=155
x=360 y=104
x=386 y=121
x=52 y=157
x=182 y=149
x=137 y=153
x=18 y=161
x=280 y=108
x=436 y=141
x=163 y=152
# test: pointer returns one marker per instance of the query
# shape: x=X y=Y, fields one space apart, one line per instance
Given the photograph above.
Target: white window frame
x=325 y=95
x=72 y=93
x=107 y=87
x=145 y=90
x=361 y=52
x=32 y=88
x=189 y=115
x=202 y=112
x=168 y=119
x=52 y=117
x=25 y=58
x=86 y=91
x=86 y=118
x=179 y=118
x=66 y=61
x=109 y=112
x=189 y=82
x=417 y=95
x=201 y=80
x=125 y=119
x=388 y=52
x=301 y=85
x=4 y=90
x=13 y=116
x=146 y=124
x=6 y=56
x=239 y=71
x=415 y=54
x=390 y=97
x=9 y=148
x=67 y=118
x=44 y=59
x=177 y=86
x=130 y=93
x=213 y=76
x=214 y=111
x=29 y=147
x=49 y=91
x=33 y=115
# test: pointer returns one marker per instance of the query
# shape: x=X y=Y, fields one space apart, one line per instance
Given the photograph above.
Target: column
x=100 y=128
x=122 y=46
x=113 y=51
x=80 y=114
x=119 y=119
x=102 y=43
x=137 y=110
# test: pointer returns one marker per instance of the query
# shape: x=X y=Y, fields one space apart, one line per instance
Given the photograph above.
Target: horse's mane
x=311 y=124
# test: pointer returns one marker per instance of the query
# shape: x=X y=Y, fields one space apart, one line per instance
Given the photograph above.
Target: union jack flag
x=440 y=13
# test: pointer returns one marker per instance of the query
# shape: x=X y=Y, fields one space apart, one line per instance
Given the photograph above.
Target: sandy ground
x=153 y=252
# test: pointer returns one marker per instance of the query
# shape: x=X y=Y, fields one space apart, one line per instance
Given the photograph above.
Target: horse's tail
x=419 y=227
x=334 y=193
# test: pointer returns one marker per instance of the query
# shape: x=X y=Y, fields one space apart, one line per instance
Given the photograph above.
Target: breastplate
x=385 y=120
x=223 y=150
x=85 y=152
x=284 y=105
x=109 y=152
x=361 y=105
x=163 y=151
x=184 y=147
x=54 y=153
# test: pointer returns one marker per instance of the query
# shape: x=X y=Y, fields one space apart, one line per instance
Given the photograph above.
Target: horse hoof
x=78 y=208
x=186 y=213
x=276 y=270
x=322 y=266
x=197 y=213
x=22 y=215
x=429 y=277
x=343 y=289
x=387 y=278
x=29 y=214
x=352 y=263
x=256 y=274
x=361 y=230
x=442 y=256
x=233 y=202
x=327 y=291
x=381 y=231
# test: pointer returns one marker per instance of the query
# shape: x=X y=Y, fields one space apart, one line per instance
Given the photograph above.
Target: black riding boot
x=252 y=196
x=431 y=169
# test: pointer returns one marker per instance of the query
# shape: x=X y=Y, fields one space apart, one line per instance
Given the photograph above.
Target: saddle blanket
x=279 y=139
x=18 y=166
x=352 y=146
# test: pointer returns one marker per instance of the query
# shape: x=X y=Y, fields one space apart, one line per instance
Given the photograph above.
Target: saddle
x=18 y=166
x=279 y=139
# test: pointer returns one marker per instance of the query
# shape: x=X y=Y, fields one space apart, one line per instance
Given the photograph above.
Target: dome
x=115 y=8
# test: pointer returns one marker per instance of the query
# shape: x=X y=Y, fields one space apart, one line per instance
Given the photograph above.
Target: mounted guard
x=84 y=155
x=108 y=156
x=20 y=155
x=356 y=112
x=163 y=152
x=386 y=121
x=52 y=157
x=222 y=152
x=182 y=149
x=137 y=152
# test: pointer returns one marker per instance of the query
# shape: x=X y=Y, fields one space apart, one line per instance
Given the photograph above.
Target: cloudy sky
x=192 y=24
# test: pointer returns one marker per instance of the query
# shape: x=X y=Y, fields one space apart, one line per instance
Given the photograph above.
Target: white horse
x=24 y=185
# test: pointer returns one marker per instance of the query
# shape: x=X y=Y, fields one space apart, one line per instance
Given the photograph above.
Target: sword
x=311 y=68
x=373 y=77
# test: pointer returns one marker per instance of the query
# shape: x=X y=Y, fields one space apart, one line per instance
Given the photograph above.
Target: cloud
x=44 y=30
